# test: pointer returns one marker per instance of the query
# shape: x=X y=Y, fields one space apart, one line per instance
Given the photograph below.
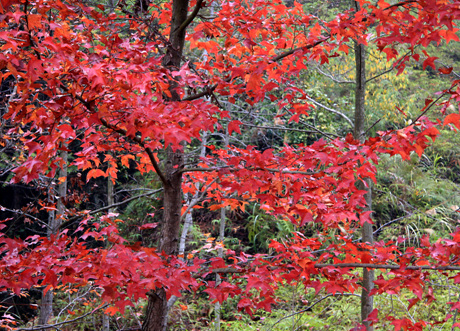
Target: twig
x=292 y=51
x=52 y=326
x=25 y=214
x=375 y=123
x=308 y=173
x=390 y=69
x=328 y=135
x=122 y=132
x=385 y=266
x=276 y=128
x=115 y=205
x=197 y=198
x=191 y=16
x=428 y=108
x=333 y=78
x=207 y=92
x=331 y=110
x=312 y=305
x=141 y=143
x=231 y=270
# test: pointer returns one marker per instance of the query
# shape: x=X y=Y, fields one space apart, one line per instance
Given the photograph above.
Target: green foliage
x=142 y=210
x=423 y=192
x=262 y=228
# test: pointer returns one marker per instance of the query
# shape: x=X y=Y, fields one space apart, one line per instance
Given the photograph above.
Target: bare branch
x=276 y=128
x=230 y=270
x=292 y=51
x=312 y=305
x=375 y=123
x=385 y=266
x=331 y=110
x=333 y=78
x=20 y=212
x=115 y=205
x=428 y=108
x=327 y=135
x=124 y=201
x=54 y=326
x=191 y=16
x=141 y=143
x=197 y=198
x=308 y=173
x=393 y=66
x=207 y=92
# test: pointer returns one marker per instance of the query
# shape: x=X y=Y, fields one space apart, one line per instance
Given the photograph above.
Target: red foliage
x=81 y=77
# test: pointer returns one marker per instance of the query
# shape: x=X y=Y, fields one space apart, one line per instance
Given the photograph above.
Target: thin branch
x=155 y=165
x=333 y=78
x=230 y=270
x=20 y=212
x=308 y=173
x=292 y=51
x=428 y=108
x=124 y=201
x=312 y=305
x=385 y=266
x=331 y=110
x=390 y=69
x=402 y=3
x=276 y=128
x=197 y=198
x=53 y=326
x=387 y=224
x=115 y=204
x=122 y=132
x=141 y=143
x=191 y=17
x=207 y=92
x=447 y=66
x=327 y=135
x=74 y=301
x=375 y=123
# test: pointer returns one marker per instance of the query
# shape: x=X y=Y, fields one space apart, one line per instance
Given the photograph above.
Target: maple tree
x=121 y=86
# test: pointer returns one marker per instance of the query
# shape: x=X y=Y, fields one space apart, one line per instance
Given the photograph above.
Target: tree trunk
x=220 y=252
x=360 y=116
x=157 y=310
x=54 y=222
x=110 y=202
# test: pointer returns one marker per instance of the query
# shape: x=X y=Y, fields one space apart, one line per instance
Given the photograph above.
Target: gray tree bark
x=54 y=222
x=367 y=303
x=110 y=202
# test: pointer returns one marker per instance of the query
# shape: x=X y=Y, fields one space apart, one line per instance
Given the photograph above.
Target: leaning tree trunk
x=156 y=312
x=367 y=237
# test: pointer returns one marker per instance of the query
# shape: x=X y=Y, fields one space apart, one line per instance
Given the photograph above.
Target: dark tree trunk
x=156 y=312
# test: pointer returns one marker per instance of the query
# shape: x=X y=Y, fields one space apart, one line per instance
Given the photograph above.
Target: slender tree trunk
x=157 y=310
x=110 y=201
x=156 y=313
x=360 y=116
x=54 y=222
x=220 y=253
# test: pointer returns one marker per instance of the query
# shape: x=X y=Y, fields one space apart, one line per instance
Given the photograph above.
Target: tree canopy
x=108 y=88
